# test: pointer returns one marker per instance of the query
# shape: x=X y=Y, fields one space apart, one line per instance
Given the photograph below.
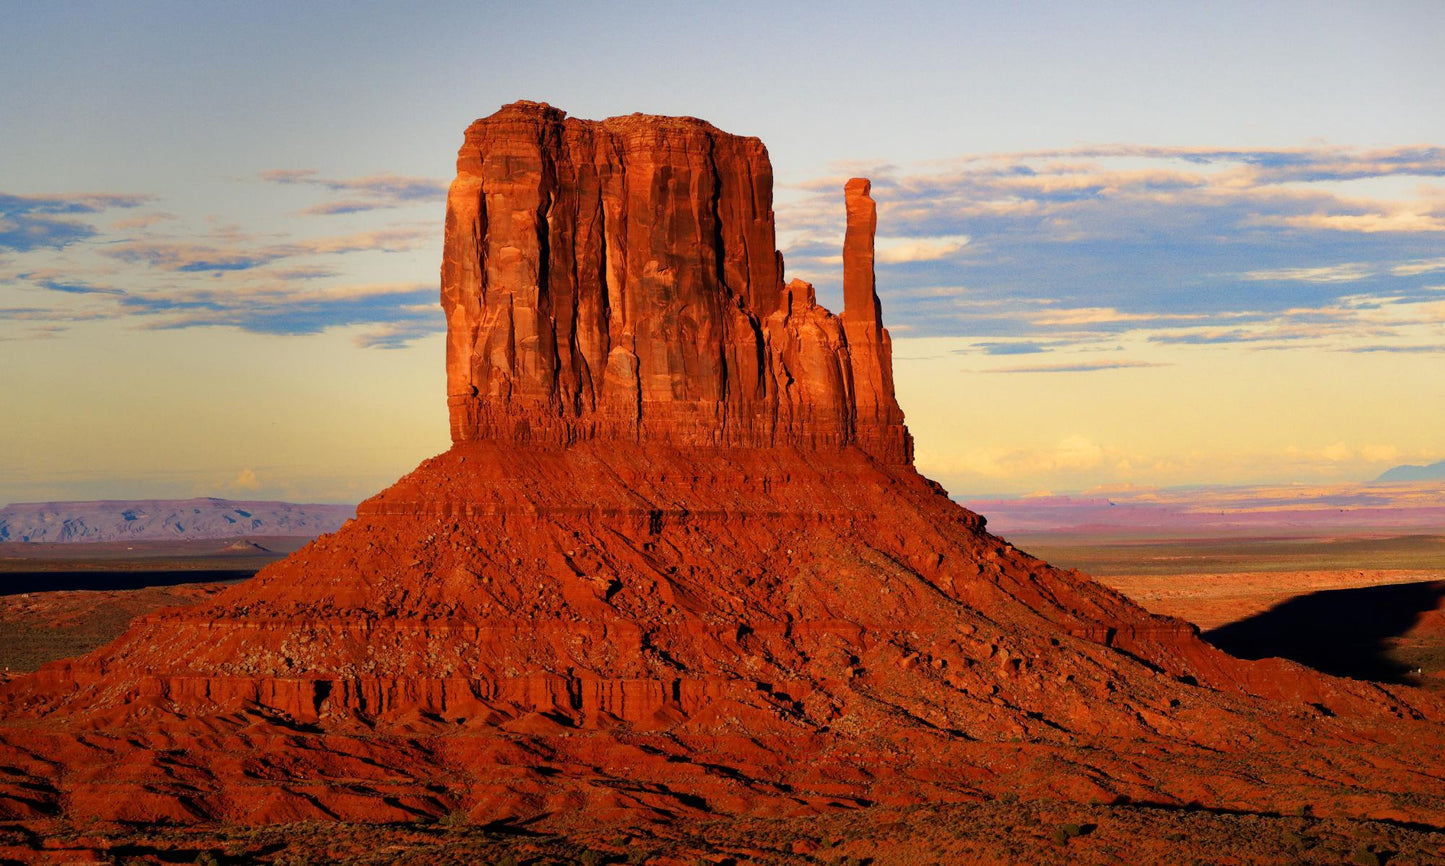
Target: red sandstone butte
x=621 y=280
x=677 y=562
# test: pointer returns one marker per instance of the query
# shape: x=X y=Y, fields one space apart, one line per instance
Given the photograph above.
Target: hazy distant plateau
x=166 y=520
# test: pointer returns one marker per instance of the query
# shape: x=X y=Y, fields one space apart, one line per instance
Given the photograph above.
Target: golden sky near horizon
x=263 y=416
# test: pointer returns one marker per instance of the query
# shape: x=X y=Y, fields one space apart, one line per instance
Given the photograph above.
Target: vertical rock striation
x=620 y=279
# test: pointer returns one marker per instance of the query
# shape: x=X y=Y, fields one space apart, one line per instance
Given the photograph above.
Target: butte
x=677 y=562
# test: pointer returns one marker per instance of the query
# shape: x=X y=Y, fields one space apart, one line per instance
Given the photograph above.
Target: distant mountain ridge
x=166 y=519
x=1285 y=508
x=1433 y=472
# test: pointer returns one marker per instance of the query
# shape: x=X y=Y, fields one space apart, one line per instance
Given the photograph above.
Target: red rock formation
x=677 y=561
x=879 y=420
x=620 y=279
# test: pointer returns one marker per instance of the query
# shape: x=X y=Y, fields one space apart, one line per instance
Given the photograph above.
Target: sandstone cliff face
x=620 y=279
x=677 y=562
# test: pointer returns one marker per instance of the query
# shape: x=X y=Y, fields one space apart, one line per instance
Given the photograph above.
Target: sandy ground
x=995 y=832
x=1212 y=600
x=38 y=627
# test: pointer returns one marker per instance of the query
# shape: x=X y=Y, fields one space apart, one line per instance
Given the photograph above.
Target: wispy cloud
x=1347 y=272
x=31 y=222
x=1021 y=347
x=142 y=221
x=154 y=270
x=1367 y=223
x=193 y=256
x=283 y=308
x=1077 y=367
x=372 y=192
x=398 y=335
x=1339 y=324
x=895 y=251
x=1424 y=266
x=246 y=481
x=1086 y=316
x=1074 y=453
x=71 y=287
x=47 y=314
x=1407 y=349
x=1187 y=244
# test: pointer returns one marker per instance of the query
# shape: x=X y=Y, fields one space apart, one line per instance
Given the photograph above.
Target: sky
x=1121 y=245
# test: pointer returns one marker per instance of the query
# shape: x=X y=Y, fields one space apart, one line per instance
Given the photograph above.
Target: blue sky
x=1091 y=214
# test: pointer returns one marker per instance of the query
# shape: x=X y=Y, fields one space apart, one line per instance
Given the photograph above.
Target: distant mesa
x=1227 y=511
x=1432 y=472
x=677 y=563
x=165 y=520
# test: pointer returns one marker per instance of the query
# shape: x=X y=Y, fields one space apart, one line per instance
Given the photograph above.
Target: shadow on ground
x=1345 y=632
x=18 y=582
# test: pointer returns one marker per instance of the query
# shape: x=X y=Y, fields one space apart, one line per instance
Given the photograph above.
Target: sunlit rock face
x=676 y=563
x=620 y=279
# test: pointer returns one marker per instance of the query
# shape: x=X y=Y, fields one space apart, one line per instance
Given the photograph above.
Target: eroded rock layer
x=715 y=599
x=620 y=279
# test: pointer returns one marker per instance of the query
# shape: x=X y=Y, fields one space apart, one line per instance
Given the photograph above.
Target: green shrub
x=454 y=818
x=1363 y=856
x=1064 y=832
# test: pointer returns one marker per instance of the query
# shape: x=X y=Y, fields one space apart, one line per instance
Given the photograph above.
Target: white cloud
x=1343 y=273
x=247 y=479
x=1074 y=453
x=1367 y=223
x=1420 y=266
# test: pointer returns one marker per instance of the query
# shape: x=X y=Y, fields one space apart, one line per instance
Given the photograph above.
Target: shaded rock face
x=620 y=279
x=676 y=563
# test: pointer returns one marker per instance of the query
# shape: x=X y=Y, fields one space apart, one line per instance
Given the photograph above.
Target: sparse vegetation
x=1064 y=832
x=592 y=857
x=985 y=832
x=454 y=818
x=1363 y=856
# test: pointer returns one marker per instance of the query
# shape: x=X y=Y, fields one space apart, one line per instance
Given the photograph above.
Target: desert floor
x=1367 y=606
